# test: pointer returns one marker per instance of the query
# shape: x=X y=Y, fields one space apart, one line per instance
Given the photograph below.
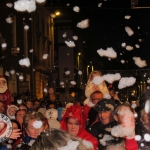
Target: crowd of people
x=101 y=122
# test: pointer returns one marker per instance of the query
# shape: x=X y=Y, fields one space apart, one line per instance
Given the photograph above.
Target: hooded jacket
x=76 y=111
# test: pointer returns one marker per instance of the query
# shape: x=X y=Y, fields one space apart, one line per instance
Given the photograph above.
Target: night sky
x=107 y=29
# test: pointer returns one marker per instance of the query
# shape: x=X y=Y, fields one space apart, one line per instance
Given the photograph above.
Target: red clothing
x=76 y=111
x=131 y=144
x=6 y=98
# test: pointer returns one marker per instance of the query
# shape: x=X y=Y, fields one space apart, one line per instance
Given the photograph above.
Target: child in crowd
x=11 y=111
x=91 y=86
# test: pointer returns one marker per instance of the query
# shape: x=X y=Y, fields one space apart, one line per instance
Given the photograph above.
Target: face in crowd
x=51 y=91
x=73 y=126
x=32 y=131
x=20 y=114
x=96 y=97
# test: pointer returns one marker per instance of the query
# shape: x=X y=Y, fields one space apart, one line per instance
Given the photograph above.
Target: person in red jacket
x=73 y=122
x=5 y=95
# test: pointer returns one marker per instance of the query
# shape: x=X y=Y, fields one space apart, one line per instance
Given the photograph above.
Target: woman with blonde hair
x=55 y=139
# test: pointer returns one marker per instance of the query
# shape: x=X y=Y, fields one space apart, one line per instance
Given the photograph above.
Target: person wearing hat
x=73 y=122
x=5 y=94
x=102 y=128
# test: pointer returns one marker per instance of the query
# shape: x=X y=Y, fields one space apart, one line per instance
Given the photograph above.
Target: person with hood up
x=74 y=123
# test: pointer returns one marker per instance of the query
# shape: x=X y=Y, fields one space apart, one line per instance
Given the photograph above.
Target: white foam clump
x=129 y=48
x=40 y=1
x=122 y=61
x=24 y=62
x=127 y=17
x=9 y=20
x=97 y=80
x=129 y=31
x=67 y=72
x=147 y=137
x=137 y=45
x=83 y=24
x=73 y=82
x=26 y=27
x=137 y=137
x=75 y=37
x=9 y=5
x=37 y=124
x=110 y=78
x=4 y=45
x=62 y=83
x=45 y=90
x=123 y=45
x=12 y=71
x=76 y=9
x=126 y=82
x=21 y=77
x=7 y=73
x=79 y=72
x=45 y=56
x=25 y=5
x=128 y=125
x=70 y=43
x=64 y=35
x=100 y=4
x=109 y=52
x=140 y=63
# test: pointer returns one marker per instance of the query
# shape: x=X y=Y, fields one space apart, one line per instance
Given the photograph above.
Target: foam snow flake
x=147 y=137
x=75 y=38
x=67 y=72
x=100 y=4
x=9 y=20
x=137 y=45
x=26 y=27
x=140 y=63
x=31 y=51
x=9 y=5
x=64 y=35
x=70 y=43
x=79 y=72
x=76 y=9
x=126 y=82
x=109 y=52
x=122 y=61
x=7 y=74
x=45 y=90
x=129 y=31
x=4 y=45
x=129 y=48
x=37 y=124
x=97 y=80
x=21 y=77
x=73 y=82
x=62 y=83
x=110 y=78
x=45 y=56
x=24 y=62
x=127 y=17
x=25 y=5
x=123 y=45
x=40 y=1
x=83 y=24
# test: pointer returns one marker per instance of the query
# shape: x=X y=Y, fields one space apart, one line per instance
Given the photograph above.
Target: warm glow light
x=57 y=13
x=79 y=53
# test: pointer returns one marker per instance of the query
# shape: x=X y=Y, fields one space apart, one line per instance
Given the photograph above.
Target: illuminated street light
x=57 y=13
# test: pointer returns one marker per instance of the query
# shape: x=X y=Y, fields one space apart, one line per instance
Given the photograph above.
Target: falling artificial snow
x=126 y=82
x=97 y=80
x=127 y=17
x=83 y=24
x=67 y=72
x=9 y=5
x=9 y=20
x=100 y=4
x=75 y=37
x=73 y=82
x=122 y=61
x=109 y=52
x=45 y=56
x=70 y=43
x=110 y=78
x=64 y=35
x=140 y=63
x=24 y=62
x=129 y=48
x=79 y=72
x=76 y=9
x=129 y=31
x=137 y=45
